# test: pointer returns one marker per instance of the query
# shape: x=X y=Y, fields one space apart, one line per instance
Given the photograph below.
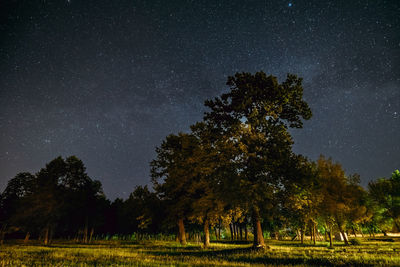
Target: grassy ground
x=163 y=253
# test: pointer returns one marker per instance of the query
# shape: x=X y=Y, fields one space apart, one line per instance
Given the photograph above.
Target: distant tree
x=360 y=210
x=143 y=211
x=46 y=201
x=13 y=203
x=386 y=194
x=118 y=219
x=254 y=116
x=59 y=197
x=344 y=200
x=302 y=196
x=333 y=182
x=80 y=201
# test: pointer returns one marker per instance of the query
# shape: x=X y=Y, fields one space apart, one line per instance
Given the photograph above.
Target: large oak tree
x=255 y=116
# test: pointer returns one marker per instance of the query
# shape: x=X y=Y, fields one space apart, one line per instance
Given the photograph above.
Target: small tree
x=142 y=211
x=386 y=194
x=342 y=202
x=302 y=196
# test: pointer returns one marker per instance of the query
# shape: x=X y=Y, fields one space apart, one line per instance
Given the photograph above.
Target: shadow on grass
x=296 y=261
x=304 y=245
x=249 y=255
x=234 y=242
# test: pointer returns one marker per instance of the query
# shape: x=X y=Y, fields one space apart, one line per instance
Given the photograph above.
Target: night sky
x=108 y=80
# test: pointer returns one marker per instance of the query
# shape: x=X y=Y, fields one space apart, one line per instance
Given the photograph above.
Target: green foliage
x=344 y=201
x=172 y=173
x=386 y=195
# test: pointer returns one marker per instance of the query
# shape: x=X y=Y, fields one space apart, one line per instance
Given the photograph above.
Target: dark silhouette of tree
x=81 y=196
x=46 y=200
x=59 y=197
x=172 y=174
x=143 y=211
x=13 y=203
x=117 y=218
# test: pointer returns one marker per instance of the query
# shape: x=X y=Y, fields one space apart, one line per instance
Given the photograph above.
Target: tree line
x=234 y=172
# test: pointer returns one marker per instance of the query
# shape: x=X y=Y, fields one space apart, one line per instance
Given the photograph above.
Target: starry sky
x=108 y=80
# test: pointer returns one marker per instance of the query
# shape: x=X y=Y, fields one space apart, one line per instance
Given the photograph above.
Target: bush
x=355 y=241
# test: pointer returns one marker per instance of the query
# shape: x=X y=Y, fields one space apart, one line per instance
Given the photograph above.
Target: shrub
x=355 y=241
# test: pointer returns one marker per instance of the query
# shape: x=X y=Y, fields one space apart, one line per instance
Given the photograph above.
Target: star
x=114 y=80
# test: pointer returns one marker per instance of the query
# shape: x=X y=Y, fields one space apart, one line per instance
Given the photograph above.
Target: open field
x=164 y=253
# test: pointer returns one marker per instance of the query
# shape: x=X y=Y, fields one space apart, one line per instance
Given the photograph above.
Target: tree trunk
x=231 y=229
x=91 y=235
x=206 y=234
x=258 y=234
x=76 y=239
x=46 y=235
x=330 y=239
x=234 y=231
x=181 y=232
x=396 y=224
x=302 y=235
x=294 y=237
x=346 y=242
x=2 y=233
x=314 y=233
x=246 y=234
x=241 y=231
x=319 y=237
x=27 y=237
x=85 y=232
x=354 y=231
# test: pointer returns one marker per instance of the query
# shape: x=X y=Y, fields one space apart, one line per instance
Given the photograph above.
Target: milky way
x=108 y=80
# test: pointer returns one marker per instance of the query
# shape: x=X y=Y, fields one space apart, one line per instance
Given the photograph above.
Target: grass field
x=165 y=253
